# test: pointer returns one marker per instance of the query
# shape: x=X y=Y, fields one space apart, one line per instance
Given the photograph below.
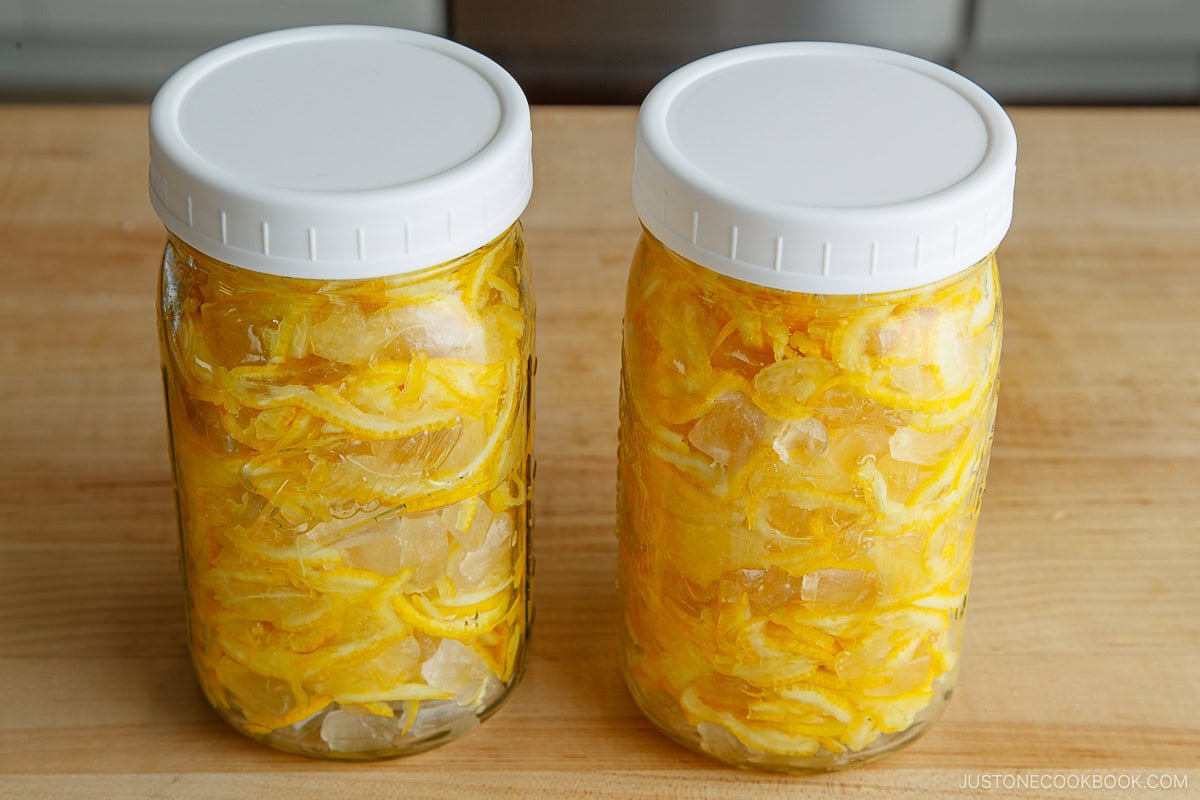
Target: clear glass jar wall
x=353 y=470
x=800 y=478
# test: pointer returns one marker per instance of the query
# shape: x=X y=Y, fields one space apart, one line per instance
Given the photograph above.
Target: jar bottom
x=336 y=733
x=716 y=742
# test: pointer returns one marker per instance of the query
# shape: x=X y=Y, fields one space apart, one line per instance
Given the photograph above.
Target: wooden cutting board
x=1083 y=646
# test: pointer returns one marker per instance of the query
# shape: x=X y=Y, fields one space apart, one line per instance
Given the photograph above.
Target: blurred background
x=613 y=51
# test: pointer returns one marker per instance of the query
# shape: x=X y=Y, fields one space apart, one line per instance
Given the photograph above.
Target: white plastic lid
x=824 y=168
x=341 y=151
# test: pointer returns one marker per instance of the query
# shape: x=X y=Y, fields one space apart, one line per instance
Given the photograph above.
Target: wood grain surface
x=1083 y=638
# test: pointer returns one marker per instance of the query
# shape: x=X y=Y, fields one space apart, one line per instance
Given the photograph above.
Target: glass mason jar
x=347 y=344
x=809 y=383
